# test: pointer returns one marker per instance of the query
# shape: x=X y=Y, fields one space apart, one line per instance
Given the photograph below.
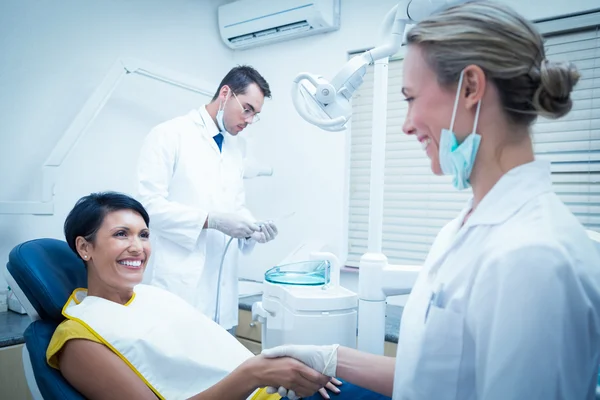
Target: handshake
x=239 y=227
x=301 y=381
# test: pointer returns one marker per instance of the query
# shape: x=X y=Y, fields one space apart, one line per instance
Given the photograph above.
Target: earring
x=85 y=257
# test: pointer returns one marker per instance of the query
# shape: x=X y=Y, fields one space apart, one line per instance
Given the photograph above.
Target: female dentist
x=507 y=303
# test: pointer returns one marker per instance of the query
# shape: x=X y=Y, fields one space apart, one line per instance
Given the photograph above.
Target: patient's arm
x=260 y=372
x=98 y=374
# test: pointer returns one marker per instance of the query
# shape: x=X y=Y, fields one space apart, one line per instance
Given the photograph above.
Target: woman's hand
x=283 y=392
x=331 y=385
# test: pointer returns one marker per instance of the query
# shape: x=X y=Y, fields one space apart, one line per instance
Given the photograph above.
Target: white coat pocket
x=438 y=367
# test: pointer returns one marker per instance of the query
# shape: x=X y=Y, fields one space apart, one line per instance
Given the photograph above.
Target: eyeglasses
x=246 y=113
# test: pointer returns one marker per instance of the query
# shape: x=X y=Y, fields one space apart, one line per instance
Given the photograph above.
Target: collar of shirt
x=201 y=117
x=516 y=187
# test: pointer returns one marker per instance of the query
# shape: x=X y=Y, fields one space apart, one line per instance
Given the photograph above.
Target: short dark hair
x=240 y=77
x=87 y=215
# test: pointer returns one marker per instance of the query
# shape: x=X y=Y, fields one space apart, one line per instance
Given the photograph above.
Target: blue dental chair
x=43 y=273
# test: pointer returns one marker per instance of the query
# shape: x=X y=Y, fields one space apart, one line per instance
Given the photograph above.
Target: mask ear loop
x=222 y=105
x=460 y=80
x=476 y=117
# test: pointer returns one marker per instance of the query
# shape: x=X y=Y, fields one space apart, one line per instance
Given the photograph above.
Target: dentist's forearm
x=366 y=370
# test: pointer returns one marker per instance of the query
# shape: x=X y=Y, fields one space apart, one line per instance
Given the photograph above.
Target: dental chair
x=42 y=274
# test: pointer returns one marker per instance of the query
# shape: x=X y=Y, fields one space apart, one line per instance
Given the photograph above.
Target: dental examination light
x=327 y=105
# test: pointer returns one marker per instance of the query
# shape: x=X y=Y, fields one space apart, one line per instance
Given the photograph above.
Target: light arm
x=327 y=105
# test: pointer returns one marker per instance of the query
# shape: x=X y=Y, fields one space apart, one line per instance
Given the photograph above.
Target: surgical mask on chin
x=220 y=113
x=458 y=159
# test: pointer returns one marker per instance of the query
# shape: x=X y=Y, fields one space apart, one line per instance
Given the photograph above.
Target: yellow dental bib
x=177 y=351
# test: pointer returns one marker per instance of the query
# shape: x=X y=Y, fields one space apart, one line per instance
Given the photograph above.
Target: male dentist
x=190 y=179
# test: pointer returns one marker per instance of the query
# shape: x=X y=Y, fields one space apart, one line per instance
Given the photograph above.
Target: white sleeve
x=245 y=246
x=526 y=313
x=158 y=158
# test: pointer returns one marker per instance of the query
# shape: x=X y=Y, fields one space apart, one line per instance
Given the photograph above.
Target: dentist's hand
x=232 y=225
x=268 y=232
x=286 y=372
x=323 y=359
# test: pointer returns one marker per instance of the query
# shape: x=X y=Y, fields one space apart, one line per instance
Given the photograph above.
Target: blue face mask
x=458 y=159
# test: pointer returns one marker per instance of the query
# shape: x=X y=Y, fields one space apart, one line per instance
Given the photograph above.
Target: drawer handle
x=252 y=324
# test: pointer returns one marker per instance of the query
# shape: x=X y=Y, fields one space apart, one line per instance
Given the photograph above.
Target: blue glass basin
x=305 y=273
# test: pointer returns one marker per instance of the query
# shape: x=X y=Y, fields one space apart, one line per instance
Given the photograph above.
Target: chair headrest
x=47 y=271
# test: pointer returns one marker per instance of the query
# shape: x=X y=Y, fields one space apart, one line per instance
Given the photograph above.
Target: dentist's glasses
x=246 y=113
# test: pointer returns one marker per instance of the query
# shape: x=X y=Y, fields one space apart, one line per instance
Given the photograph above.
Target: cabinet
x=13 y=385
x=249 y=334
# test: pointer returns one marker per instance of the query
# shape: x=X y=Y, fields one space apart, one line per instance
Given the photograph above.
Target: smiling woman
x=122 y=339
x=109 y=231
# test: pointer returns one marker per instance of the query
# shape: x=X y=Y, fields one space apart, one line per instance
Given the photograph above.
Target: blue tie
x=219 y=139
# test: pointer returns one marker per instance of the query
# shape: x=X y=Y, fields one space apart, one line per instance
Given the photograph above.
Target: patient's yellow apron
x=176 y=350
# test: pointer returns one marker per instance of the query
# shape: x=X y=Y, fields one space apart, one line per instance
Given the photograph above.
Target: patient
x=126 y=340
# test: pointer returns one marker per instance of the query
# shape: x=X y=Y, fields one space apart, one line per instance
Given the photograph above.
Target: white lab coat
x=182 y=177
x=517 y=310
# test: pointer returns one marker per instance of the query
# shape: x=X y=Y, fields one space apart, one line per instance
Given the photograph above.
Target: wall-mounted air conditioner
x=251 y=23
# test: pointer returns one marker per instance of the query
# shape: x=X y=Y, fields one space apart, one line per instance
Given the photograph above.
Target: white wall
x=54 y=54
x=310 y=165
